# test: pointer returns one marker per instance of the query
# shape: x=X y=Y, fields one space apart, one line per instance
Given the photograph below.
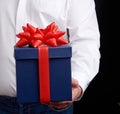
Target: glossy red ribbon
x=35 y=37
x=44 y=78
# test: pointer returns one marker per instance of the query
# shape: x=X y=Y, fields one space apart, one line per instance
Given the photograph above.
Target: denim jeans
x=9 y=105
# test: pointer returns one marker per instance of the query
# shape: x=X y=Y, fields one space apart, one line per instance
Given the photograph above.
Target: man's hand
x=76 y=93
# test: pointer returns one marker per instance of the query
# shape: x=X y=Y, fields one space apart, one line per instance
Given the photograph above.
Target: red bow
x=35 y=37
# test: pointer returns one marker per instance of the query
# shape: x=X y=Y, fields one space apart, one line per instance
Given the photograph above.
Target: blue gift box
x=27 y=74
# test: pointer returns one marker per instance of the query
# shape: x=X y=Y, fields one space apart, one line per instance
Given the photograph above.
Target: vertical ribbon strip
x=44 y=78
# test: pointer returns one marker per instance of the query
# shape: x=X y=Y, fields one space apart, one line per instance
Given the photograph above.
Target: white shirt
x=78 y=16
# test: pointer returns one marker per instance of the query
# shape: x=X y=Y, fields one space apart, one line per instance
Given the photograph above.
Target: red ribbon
x=44 y=77
x=35 y=37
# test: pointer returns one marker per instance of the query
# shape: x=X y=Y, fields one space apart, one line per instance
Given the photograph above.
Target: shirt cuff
x=82 y=80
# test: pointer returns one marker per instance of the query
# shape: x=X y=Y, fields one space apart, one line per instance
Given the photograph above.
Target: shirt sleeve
x=85 y=40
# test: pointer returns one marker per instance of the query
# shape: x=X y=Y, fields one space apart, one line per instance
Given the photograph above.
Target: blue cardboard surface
x=27 y=74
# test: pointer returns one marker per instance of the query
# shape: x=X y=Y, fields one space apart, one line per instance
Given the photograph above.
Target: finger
x=61 y=107
x=74 y=82
x=59 y=104
x=76 y=93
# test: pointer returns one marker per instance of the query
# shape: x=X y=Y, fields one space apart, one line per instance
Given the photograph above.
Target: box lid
x=32 y=53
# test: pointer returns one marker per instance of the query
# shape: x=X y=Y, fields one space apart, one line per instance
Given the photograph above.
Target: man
x=76 y=16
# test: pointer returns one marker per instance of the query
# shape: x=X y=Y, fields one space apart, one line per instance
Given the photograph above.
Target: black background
x=103 y=93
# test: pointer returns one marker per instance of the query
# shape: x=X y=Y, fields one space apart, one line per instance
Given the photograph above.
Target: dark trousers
x=9 y=105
